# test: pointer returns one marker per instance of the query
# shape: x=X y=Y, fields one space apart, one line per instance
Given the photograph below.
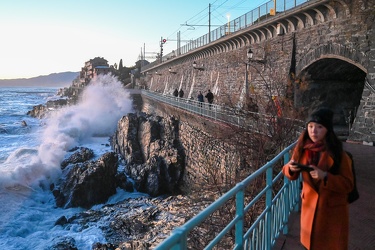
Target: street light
x=250 y=54
x=249 y=57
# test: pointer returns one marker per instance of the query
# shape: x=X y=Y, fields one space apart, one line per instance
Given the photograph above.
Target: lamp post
x=249 y=57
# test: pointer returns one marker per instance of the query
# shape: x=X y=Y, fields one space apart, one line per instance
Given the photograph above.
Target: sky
x=40 y=37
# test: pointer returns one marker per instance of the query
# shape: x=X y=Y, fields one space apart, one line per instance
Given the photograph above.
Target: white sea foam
x=27 y=209
x=102 y=104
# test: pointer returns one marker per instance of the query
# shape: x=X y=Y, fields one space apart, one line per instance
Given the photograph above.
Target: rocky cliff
x=153 y=153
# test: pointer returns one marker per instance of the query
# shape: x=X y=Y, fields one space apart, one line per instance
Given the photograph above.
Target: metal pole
x=209 y=23
x=247 y=80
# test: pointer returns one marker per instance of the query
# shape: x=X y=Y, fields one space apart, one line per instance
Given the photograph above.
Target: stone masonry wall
x=208 y=159
x=287 y=57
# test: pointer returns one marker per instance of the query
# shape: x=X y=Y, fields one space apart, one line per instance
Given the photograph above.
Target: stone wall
x=210 y=157
x=363 y=129
x=335 y=49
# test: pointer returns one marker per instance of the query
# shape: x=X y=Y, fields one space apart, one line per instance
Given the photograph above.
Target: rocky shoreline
x=154 y=165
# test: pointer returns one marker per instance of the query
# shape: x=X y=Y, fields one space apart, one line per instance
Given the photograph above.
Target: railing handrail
x=236 y=117
x=270 y=223
x=264 y=231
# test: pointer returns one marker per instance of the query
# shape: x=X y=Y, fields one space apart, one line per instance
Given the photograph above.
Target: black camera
x=302 y=167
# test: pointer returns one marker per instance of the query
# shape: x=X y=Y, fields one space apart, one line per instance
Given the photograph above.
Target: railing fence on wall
x=252 y=121
x=252 y=17
x=264 y=231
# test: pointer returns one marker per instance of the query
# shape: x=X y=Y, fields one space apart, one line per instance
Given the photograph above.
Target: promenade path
x=362 y=212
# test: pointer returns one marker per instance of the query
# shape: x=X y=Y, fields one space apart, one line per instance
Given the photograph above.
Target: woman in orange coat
x=326 y=184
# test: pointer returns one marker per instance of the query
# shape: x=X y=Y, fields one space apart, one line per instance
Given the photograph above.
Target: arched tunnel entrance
x=334 y=83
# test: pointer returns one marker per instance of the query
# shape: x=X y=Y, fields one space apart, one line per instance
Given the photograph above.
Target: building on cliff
x=92 y=68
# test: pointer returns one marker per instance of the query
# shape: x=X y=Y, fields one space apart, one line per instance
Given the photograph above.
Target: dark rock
x=89 y=183
x=56 y=103
x=84 y=154
x=61 y=221
x=123 y=182
x=63 y=243
x=155 y=158
x=38 y=111
x=103 y=246
x=139 y=223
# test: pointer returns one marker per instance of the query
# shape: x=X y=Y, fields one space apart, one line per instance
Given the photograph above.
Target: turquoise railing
x=264 y=231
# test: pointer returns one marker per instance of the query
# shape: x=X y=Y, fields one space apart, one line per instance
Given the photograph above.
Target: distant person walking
x=210 y=98
x=200 y=98
x=181 y=93
x=175 y=93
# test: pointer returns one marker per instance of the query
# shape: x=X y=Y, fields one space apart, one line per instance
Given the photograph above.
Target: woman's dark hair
x=333 y=144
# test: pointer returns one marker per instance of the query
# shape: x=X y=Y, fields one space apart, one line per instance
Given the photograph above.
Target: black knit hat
x=323 y=116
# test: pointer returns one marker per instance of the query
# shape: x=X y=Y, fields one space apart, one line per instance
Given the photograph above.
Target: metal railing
x=252 y=17
x=245 y=119
x=262 y=234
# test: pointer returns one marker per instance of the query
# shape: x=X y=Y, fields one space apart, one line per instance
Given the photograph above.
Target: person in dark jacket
x=326 y=183
x=210 y=97
x=200 y=98
x=175 y=93
x=181 y=93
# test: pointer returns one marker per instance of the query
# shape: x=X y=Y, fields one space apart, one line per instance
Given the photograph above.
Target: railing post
x=240 y=200
x=183 y=239
x=268 y=225
x=287 y=198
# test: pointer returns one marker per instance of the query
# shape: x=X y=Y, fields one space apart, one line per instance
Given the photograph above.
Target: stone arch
x=242 y=41
x=309 y=21
x=340 y=8
x=331 y=75
x=269 y=33
x=284 y=26
x=300 y=23
x=256 y=36
x=238 y=42
x=330 y=50
x=319 y=16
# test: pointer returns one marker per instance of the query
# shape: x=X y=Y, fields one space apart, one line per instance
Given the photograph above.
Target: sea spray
x=28 y=211
x=103 y=102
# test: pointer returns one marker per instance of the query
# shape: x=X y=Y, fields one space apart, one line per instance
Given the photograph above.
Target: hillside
x=52 y=80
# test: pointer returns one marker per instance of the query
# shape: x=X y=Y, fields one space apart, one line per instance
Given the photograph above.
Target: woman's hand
x=317 y=173
x=293 y=168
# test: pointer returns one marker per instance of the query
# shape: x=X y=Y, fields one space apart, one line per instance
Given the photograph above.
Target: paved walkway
x=362 y=212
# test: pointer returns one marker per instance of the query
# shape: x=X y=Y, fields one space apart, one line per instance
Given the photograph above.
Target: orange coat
x=325 y=209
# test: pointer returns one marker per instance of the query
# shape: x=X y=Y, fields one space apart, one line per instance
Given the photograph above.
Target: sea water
x=32 y=149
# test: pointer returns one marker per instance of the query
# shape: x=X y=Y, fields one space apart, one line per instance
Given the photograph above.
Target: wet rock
x=38 y=111
x=63 y=243
x=56 y=103
x=61 y=221
x=83 y=154
x=103 y=246
x=140 y=223
x=123 y=182
x=89 y=183
x=154 y=156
